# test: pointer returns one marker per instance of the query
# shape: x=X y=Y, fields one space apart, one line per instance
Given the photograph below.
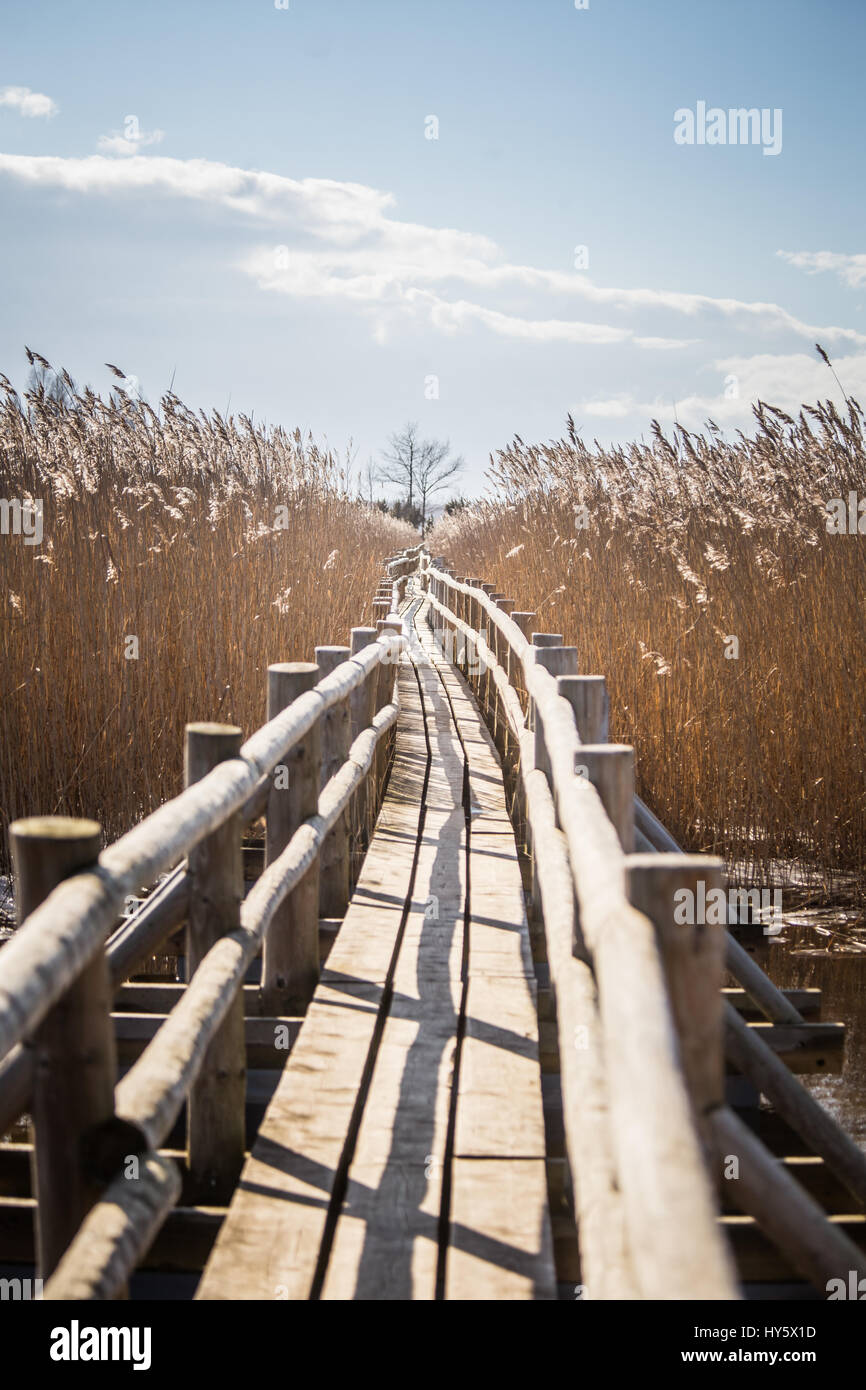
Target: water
x=825 y=948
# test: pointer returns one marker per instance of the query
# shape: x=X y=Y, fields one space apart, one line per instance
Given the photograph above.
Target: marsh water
x=825 y=948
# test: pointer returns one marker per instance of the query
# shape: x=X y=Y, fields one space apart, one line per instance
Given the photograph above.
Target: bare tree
x=420 y=467
x=401 y=460
x=435 y=468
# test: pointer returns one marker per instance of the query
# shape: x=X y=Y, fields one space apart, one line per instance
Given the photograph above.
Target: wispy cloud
x=340 y=242
x=28 y=103
x=784 y=380
x=850 y=269
x=129 y=141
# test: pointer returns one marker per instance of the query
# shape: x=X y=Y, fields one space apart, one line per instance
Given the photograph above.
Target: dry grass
x=692 y=540
x=161 y=526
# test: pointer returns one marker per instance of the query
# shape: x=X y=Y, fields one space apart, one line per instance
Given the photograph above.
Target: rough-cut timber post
x=610 y=769
x=454 y=600
x=383 y=695
x=473 y=617
x=457 y=602
x=559 y=661
x=75 y=1058
x=290 y=959
x=501 y=652
x=470 y=619
x=524 y=621
x=362 y=708
x=215 y=1131
x=484 y=682
x=588 y=697
x=482 y=626
x=541 y=640
x=336 y=742
x=447 y=628
x=664 y=887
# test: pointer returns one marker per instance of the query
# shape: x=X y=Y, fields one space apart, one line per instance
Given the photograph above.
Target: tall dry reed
x=218 y=545
x=685 y=543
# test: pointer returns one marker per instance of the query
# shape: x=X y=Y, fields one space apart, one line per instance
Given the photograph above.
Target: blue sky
x=275 y=230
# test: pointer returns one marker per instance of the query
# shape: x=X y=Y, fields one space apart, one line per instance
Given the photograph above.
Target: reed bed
x=650 y=559
x=219 y=545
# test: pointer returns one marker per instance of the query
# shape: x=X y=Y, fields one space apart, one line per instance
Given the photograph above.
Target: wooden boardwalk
x=380 y=1080
x=403 y=1153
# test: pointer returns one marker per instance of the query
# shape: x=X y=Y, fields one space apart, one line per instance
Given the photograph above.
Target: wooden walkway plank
x=501 y=1246
x=386 y=1244
x=404 y=1005
x=270 y=1243
x=500 y=1241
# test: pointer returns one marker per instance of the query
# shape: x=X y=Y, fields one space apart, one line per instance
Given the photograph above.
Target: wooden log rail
x=102 y=1188
x=644 y=1196
x=643 y=1028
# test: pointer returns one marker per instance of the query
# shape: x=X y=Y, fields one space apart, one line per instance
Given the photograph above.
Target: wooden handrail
x=675 y=1248
x=812 y=1244
x=52 y=946
x=62 y=939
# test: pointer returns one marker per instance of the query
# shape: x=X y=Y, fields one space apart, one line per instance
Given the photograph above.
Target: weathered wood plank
x=271 y=1241
x=500 y=1244
x=501 y=1247
x=499 y=1110
x=386 y=1242
x=269 y=1245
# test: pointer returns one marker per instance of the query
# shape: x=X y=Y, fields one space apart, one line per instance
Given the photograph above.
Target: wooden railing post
x=673 y=891
x=290 y=958
x=515 y=674
x=447 y=626
x=383 y=697
x=559 y=661
x=215 y=1123
x=610 y=769
x=482 y=627
x=522 y=620
x=470 y=619
x=362 y=708
x=336 y=742
x=473 y=618
x=540 y=640
x=588 y=697
x=456 y=602
x=75 y=1055
x=501 y=652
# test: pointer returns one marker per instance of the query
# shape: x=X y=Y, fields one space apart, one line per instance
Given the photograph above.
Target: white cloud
x=337 y=210
x=850 y=269
x=783 y=380
x=129 y=142
x=28 y=103
x=342 y=244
